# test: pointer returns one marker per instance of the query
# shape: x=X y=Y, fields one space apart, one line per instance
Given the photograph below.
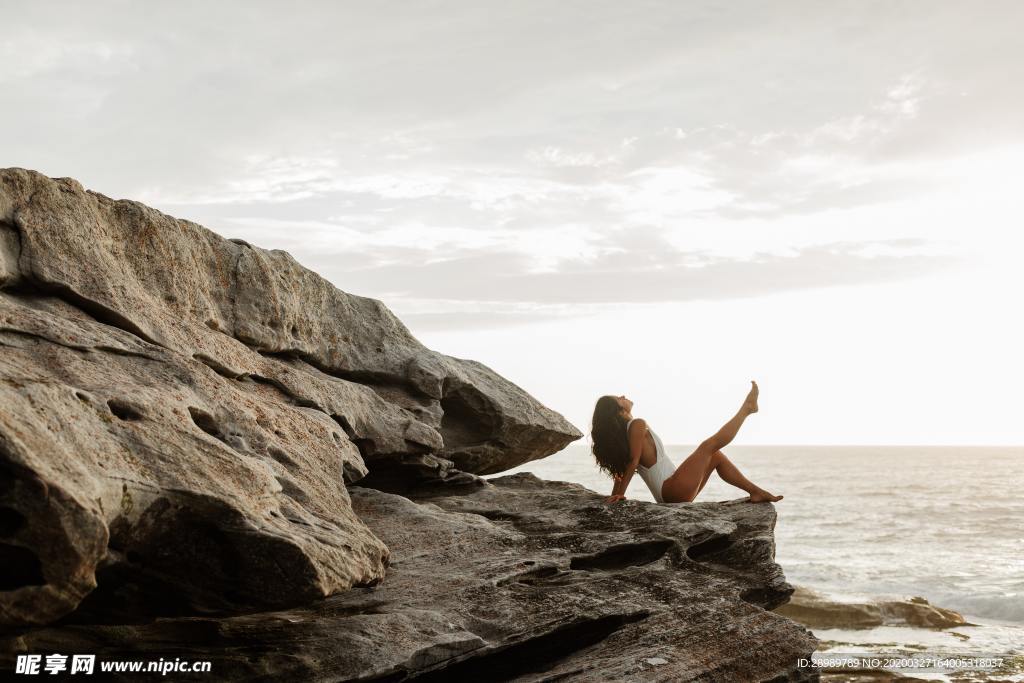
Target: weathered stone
x=221 y=492
x=519 y=579
x=175 y=283
x=202 y=451
x=817 y=611
x=181 y=414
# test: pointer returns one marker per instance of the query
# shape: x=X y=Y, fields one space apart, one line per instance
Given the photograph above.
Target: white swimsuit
x=662 y=469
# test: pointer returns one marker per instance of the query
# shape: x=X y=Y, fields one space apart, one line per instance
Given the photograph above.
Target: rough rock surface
x=181 y=413
x=207 y=450
x=515 y=578
x=816 y=611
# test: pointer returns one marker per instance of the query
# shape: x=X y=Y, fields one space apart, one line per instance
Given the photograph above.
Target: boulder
x=513 y=579
x=818 y=611
x=181 y=414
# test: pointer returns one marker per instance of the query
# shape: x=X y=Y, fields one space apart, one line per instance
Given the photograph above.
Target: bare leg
x=732 y=475
x=712 y=466
x=685 y=483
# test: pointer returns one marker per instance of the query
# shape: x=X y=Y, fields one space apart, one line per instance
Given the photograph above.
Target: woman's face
x=624 y=403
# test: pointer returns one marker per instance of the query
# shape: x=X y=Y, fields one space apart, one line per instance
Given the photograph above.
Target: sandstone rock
x=514 y=578
x=202 y=447
x=220 y=493
x=224 y=302
x=817 y=611
x=181 y=414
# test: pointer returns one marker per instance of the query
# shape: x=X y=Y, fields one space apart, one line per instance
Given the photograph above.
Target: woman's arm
x=636 y=447
x=619 y=488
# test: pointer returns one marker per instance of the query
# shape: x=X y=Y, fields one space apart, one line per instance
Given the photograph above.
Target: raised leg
x=693 y=473
x=684 y=484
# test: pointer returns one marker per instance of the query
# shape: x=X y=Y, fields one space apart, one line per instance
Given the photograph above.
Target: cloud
x=647 y=271
x=167 y=101
x=477 y=320
x=655 y=177
x=527 y=152
x=495 y=288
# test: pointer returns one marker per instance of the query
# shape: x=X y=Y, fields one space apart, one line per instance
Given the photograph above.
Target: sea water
x=880 y=522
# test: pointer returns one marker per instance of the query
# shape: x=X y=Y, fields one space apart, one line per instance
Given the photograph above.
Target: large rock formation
x=516 y=579
x=182 y=418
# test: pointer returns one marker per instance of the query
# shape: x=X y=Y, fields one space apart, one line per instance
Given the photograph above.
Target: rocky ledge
x=209 y=452
x=814 y=610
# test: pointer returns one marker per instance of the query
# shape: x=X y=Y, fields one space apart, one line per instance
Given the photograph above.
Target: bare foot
x=750 y=403
x=762 y=496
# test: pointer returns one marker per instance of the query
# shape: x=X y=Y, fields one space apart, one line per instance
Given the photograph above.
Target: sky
x=658 y=199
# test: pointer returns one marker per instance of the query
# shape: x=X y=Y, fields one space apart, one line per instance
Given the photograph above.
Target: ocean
x=870 y=523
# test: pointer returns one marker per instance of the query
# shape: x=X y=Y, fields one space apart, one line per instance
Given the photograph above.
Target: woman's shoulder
x=636 y=421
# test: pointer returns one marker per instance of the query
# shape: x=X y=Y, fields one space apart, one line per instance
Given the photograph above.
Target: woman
x=624 y=444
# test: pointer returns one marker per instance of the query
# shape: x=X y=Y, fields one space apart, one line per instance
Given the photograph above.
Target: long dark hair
x=608 y=433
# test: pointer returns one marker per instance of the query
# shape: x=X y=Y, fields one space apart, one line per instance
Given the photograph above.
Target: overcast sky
x=662 y=199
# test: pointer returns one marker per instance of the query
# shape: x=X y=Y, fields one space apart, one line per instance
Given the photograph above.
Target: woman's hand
x=615 y=498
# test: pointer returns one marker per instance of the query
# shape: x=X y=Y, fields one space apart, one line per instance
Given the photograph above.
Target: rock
x=515 y=578
x=816 y=611
x=178 y=285
x=182 y=413
x=209 y=452
x=215 y=494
